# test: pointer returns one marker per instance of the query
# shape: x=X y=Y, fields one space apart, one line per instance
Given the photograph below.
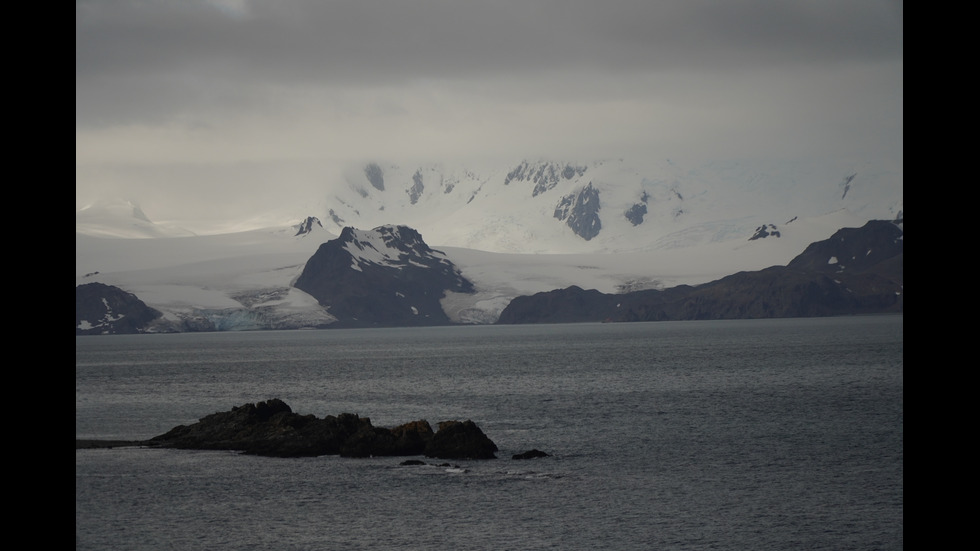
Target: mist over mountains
x=605 y=206
x=509 y=231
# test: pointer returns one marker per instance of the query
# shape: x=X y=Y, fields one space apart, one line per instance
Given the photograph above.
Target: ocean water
x=749 y=434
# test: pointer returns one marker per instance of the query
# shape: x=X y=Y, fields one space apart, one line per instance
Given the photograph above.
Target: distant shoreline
x=91 y=444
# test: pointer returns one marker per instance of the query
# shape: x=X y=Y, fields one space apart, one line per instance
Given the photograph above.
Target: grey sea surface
x=748 y=434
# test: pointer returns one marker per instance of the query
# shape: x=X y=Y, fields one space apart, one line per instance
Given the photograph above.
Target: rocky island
x=272 y=429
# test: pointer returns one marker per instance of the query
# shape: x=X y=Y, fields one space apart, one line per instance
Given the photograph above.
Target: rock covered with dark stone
x=580 y=211
x=460 y=440
x=272 y=429
x=854 y=250
x=102 y=309
x=530 y=454
x=418 y=186
x=570 y=305
x=636 y=213
x=638 y=210
x=306 y=226
x=857 y=271
x=387 y=276
x=265 y=428
x=544 y=175
x=764 y=231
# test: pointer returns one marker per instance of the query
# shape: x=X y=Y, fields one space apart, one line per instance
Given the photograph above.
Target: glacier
x=497 y=226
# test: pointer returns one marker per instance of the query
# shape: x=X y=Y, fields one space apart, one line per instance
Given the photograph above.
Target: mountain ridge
x=389 y=277
x=815 y=284
x=526 y=206
x=512 y=230
x=522 y=206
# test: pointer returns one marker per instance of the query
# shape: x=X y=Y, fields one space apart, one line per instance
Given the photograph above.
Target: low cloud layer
x=232 y=101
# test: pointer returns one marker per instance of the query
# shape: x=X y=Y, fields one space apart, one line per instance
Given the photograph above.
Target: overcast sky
x=219 y=105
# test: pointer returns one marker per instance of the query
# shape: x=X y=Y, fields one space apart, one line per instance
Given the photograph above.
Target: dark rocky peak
x=765 y=230
x=390 y=245
x=580 y=211
x=853 y=249
x=306 y=226
x=544 y=175
x=102 y=309
x=387 y=276
x=638 y=210
x=816 y=283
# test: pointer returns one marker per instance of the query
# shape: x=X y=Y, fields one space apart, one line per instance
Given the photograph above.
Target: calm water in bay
x=749 y=434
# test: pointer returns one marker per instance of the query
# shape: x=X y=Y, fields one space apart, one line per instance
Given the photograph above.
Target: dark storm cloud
x=157 y=56
x=193 y=100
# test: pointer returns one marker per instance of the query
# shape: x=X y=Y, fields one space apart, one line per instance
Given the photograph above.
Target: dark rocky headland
x=271 y=429
x=389 y=277
x=857 y=271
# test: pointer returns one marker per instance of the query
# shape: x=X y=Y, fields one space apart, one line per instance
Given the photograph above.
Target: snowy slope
x=120 y=218
x=500 y=232
x=511 y=208
x=215 y=276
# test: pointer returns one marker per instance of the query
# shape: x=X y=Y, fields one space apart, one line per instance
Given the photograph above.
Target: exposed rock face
x=766 y=230
x=856 y=271
x=102 y=309
x=418 y=186
x=570 y=305
x=306 y=226
x=460 y=440
x=580 y=212
x=272 y=429
x=636 y=212
x=845 y=185
x=854 y=250
x=544 y=175
x=384 y=277
x=375 y=175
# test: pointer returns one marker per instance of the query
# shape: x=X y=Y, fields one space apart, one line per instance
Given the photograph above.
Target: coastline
x=92 y=444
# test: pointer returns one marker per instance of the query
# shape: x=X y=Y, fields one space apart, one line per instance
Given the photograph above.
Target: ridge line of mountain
x=389 y=277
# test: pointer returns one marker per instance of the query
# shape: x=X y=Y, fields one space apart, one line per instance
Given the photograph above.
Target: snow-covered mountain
x=385 y=276
x=512 y=230
x=604 y=206
x=122 y=219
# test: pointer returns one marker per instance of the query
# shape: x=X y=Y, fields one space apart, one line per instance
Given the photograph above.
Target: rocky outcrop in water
x=271 y=428
x=530 y=454
x=460 y=440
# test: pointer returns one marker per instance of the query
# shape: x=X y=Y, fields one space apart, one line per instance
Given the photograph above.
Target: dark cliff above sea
x=855 y=271
x=389 y=277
